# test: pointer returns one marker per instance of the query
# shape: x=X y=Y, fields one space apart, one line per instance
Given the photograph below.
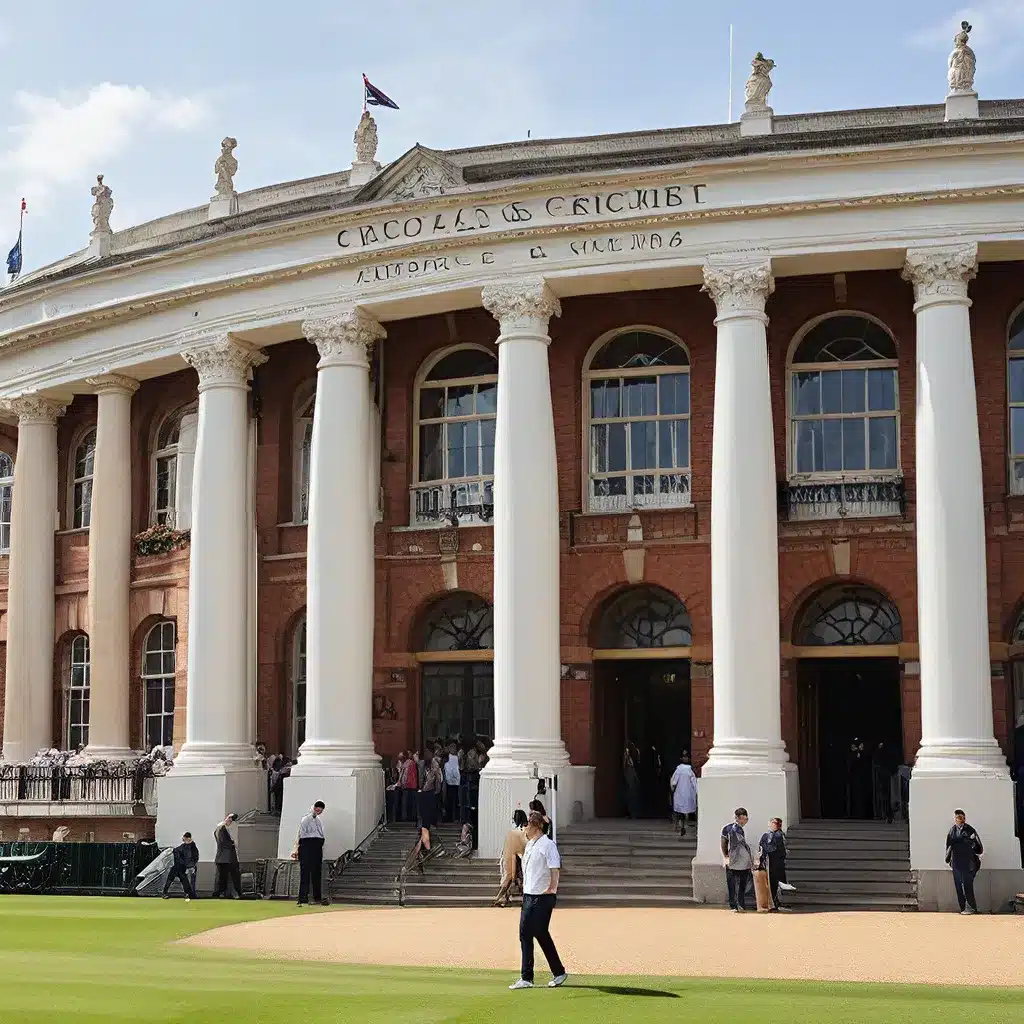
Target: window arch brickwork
x=849 y=616
x=643 y=617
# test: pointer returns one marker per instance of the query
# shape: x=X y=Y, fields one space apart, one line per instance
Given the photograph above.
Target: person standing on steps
x=541 y=866
x=186 y=857
x=963 y=854
x=772 y=850
x=683 y=788
x=310 y=852
x=226 y=859
x=737 y=861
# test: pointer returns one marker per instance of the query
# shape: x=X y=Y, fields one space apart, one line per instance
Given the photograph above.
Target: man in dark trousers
x=186 y=857
x=311 y=855
x=541 y=865
x=963 y=854
x=737 y=860
x=226 y=859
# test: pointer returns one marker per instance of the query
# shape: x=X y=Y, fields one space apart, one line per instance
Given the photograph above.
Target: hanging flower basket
x=160 y=540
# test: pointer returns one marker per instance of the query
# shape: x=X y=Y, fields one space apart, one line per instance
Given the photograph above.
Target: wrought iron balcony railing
x=99 y=783
x=469 y=503
x=803 y=500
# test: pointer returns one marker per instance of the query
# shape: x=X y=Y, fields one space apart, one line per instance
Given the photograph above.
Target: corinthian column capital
x=523 y=304
x=738 y=285
x=344 y=337
x=222 y=361
x=34 y=408
x=941 y=273
x=115 y=383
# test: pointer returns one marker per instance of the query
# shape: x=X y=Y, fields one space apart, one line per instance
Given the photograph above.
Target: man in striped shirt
x=311 y=855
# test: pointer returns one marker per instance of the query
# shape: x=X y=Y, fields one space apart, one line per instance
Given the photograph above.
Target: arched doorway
x=849 y=704
x=641 y=639
x=457 y=671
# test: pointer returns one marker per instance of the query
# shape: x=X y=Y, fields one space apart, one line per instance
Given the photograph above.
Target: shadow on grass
x=629 y=990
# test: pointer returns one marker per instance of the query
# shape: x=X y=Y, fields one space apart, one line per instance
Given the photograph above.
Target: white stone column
x=110 y=560
x=337 y=762
x=959 y=763
x=527 y=681
x=28 y=699
x=747 y=765
x=214 y=772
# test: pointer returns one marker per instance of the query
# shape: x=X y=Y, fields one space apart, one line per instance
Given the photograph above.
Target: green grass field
x=110 y=959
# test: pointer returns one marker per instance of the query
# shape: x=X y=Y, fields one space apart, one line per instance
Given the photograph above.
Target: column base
x=507 y=786
x=216 y=757
x=993 y=890
x=323 y=757
x=354 y=799
x=197 y=800
x=987 y=800
x=109 y=754
x=772 y=792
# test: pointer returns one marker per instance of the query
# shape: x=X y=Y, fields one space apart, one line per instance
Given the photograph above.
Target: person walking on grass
x=226 y=859
x=541 y=865
x=737 y=861
x=309 y=849
x=963 y=854
x=186 y=857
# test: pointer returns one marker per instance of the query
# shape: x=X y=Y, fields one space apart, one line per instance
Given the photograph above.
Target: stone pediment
x=418 y=174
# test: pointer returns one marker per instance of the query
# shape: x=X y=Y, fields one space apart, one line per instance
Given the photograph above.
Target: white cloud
x=997 y=37
x=65 y=139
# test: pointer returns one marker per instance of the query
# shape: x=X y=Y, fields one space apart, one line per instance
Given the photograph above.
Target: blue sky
x=144 y=92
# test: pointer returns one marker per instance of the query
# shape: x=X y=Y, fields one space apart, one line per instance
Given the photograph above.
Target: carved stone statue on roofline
x=102 y=207
x=365 y=139
x=962 y=62
x=759 y=84
x=226 y=167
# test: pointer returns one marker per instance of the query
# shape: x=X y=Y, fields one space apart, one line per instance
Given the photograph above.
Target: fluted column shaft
x=217 y=728
x=28 y=699
x=339 y=551
x=527 y=716
x=110 y=557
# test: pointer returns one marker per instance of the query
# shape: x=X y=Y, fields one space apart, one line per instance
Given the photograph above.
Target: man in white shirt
x=310 y=852
x=541 y=865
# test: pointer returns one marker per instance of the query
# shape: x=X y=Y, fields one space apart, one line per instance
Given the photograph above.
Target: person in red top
x=409 y=785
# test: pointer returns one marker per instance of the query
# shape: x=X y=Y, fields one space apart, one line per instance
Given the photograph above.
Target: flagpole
x=364 y=94
x=730 y=74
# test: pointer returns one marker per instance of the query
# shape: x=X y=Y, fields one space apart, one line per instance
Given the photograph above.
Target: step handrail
x=381 y=825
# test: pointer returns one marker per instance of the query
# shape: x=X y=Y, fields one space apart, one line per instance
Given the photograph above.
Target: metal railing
x=95 y=783
x=800 y=501
x=83 y=868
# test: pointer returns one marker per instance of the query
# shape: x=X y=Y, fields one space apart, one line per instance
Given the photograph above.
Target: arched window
x=844 y=457
x=6 y=497
x=78 y=693
x=303 y=435
x=461 y=622
x=299 y=689
x=637 y=411
x=849 y=616
x=456 y=407
x=644 y=617
x=158 y=668
x=173 y=460
x=81 y=487
x=1015 y=392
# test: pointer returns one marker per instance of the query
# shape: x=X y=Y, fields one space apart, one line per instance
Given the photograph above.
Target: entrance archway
x=849 y=705
x=457 y=671
x=641 y=639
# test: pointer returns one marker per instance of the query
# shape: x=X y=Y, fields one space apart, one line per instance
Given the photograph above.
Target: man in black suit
x=226 y=859
x=186 y=857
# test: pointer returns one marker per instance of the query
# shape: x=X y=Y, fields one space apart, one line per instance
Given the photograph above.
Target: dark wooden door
x=609 y=740
x=808 y=729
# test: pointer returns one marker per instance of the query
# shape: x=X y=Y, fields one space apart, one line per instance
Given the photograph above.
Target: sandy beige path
x=915 y=948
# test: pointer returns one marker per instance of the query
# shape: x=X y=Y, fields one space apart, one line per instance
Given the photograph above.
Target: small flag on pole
x=373 y=96
x=14 y=256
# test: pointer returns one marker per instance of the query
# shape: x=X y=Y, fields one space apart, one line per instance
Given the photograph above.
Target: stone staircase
x=850 y=865
x=604 y=863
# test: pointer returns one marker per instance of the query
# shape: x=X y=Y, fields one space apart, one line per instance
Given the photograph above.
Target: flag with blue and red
x=375 y=97
x=14 y=257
